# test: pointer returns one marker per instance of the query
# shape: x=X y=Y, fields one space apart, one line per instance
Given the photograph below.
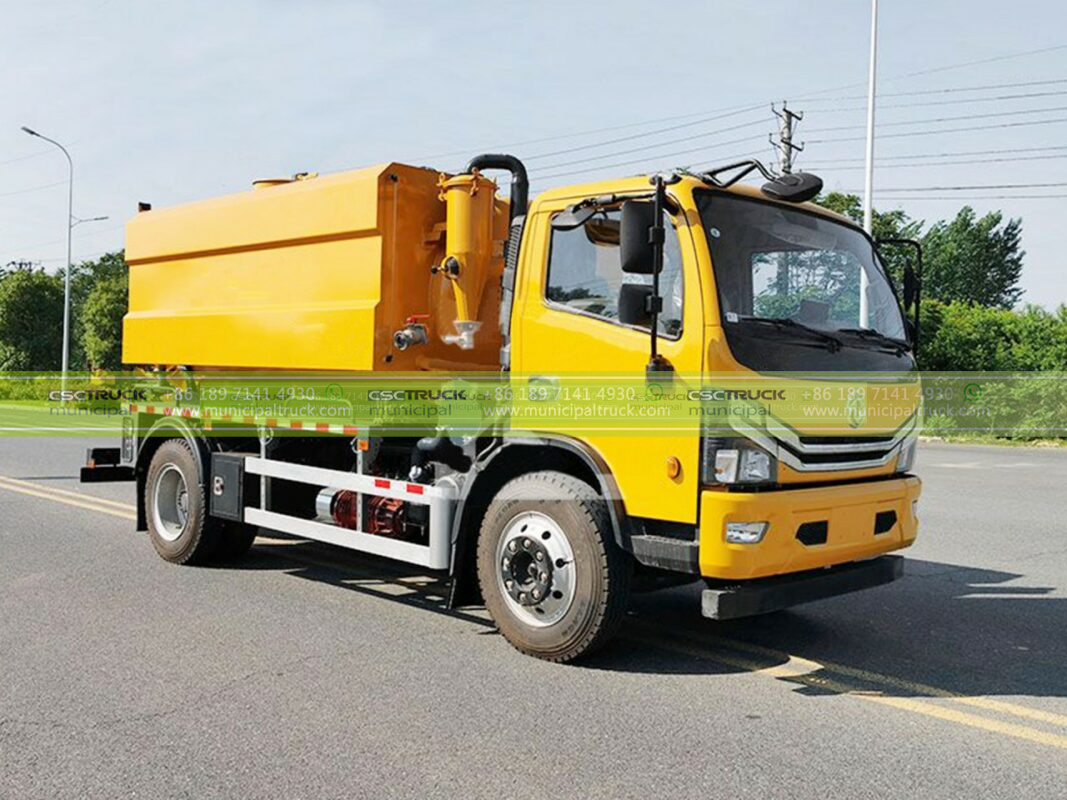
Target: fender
x=148 y=443
x=496 y=466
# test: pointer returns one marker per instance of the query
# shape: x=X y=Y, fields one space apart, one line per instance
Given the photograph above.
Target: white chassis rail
x=440 y=498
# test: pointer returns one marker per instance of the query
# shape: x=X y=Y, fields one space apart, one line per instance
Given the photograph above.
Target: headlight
x=733 y=460
x=906 y=459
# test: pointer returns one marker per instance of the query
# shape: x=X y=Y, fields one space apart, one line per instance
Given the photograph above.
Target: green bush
x=961 y=337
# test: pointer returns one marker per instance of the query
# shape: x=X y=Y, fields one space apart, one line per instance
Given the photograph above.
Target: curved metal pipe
x=520 y=183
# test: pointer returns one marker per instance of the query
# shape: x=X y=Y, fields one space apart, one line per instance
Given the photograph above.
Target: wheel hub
x=527 y=568
x=170 y=503
x=535 y=569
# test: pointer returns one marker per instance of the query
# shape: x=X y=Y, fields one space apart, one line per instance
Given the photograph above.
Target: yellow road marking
x=67 y=493
x=67 y=501
x=1000 y=706
x=796 y=668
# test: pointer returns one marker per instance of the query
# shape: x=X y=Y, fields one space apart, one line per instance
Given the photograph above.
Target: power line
x=945 y=68
x=945 y=119
x=962 y=101
x=631 y=137
x=33 y=188
x=975 y=63
x=23 y=158
x=614 y=153
x=814 y=96
x=908 y=156
x=942 y=90
x=975 y=188
x=956 y=198
x=658 y=158
x=831 y=167
x=606 y=129
x=94 y=232
x=943 y=130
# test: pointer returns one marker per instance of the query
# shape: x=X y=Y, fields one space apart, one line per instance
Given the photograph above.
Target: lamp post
x=72 y=221
x=868 y=177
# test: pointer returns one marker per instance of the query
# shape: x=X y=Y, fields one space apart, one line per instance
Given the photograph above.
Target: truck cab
x=733 y=260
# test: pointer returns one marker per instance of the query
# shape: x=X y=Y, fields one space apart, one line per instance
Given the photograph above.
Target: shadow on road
x=963 y=630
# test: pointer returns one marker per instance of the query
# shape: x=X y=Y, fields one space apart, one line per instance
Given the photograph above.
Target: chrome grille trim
x=786 y=445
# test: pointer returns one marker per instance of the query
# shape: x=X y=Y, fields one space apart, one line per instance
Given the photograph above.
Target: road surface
x=311 y=672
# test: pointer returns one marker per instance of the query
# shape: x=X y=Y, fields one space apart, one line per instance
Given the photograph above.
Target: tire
x=176 y=506
x=581 y=604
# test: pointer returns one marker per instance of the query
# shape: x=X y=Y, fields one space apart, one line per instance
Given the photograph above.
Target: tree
x=31 y=320
x=895 y=224
x=974 y=260
x=101 y=316
x=84 y=278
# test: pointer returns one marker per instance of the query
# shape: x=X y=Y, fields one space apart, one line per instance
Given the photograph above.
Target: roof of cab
x=638 y=183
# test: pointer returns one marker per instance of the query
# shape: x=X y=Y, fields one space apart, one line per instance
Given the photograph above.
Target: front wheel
x=553 y=579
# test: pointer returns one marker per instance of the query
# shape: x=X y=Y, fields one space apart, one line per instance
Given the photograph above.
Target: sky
x=171 y=102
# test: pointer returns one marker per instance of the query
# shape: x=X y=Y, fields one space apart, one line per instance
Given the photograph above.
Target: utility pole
x=786 y=128
x=868 y=178
x=786 y=147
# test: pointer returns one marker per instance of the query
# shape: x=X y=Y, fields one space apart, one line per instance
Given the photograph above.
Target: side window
x=585 y=272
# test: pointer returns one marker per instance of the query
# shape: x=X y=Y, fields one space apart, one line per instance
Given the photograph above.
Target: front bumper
x=852 y=513
x=764 y=595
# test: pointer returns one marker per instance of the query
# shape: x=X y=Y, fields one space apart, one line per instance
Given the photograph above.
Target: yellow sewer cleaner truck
x=402 y=269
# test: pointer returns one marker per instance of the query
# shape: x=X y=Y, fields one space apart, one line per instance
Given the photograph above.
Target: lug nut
x=536 y=594
x=543 y=576
x=522 y=597
x=513 y=545
x=526 y=543
x=539 y=556
x=509 y=584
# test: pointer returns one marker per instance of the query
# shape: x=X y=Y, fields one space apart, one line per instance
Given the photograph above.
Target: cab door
x=567 y=322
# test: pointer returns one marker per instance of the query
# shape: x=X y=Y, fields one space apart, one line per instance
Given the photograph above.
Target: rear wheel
x=551 y=574
x=176 y=506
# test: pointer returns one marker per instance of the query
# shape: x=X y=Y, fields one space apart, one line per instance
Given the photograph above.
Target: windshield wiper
x=833 y=344
x=898 y=346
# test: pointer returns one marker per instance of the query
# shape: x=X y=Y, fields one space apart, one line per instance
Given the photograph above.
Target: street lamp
x=868 y=172
x=72 y=222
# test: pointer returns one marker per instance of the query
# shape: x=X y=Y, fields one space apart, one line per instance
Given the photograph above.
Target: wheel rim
x=536 y=572
x=170 y=503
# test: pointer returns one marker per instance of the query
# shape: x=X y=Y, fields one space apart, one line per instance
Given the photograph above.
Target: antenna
x=787 y=120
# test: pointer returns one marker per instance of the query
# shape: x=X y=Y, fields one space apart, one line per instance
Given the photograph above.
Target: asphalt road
x=311 y=672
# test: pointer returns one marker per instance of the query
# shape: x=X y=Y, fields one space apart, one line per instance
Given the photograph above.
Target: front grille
x=837 y=441
x=814 y=453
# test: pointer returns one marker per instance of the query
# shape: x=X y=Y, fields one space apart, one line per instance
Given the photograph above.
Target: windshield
x=775 y=263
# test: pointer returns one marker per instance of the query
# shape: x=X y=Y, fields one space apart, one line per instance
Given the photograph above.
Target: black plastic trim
x=764 y=595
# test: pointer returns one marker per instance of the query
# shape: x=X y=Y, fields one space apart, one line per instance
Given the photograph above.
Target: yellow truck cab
x=397 y=268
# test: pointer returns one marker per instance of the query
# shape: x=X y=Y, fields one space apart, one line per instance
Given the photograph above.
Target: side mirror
x=635 y=242
x=911 y=287
x=633 y=304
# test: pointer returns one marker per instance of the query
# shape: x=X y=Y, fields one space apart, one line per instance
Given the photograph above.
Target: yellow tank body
x=308 y=274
